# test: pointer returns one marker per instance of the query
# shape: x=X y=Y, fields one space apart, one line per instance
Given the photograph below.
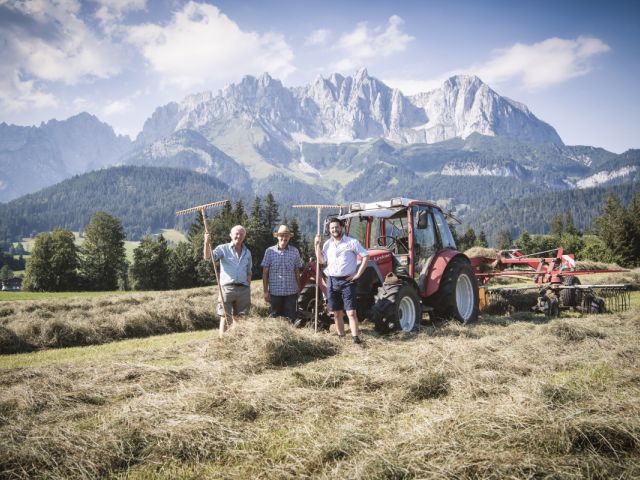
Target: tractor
x=413 y=267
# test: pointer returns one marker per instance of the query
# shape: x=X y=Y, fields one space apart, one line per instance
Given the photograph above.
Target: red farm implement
x=557 y=284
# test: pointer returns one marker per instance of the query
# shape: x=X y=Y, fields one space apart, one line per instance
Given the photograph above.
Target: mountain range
x=336 y=139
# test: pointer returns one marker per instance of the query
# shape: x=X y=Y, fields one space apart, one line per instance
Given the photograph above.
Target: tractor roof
x=384 y=208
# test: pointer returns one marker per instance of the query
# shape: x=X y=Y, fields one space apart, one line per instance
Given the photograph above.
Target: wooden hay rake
x=224 y=322
x=319 y=208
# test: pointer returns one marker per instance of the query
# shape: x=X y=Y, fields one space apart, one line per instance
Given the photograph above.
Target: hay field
x=511 y=397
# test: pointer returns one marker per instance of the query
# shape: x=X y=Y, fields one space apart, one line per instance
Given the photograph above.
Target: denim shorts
x=341 y=294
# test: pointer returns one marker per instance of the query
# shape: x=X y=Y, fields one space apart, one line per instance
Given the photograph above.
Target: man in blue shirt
x=341 y=253
x=235 y=272
x=281 y=275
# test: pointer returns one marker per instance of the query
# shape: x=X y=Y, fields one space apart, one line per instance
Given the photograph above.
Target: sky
x=575 y=64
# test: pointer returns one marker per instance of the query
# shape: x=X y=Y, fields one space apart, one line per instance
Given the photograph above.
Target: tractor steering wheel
x=382 y=241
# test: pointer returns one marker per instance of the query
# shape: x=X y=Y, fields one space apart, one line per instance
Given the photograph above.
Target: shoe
x=338 y=335
x=356 y=339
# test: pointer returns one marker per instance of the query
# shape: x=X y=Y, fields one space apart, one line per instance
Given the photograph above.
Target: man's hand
x=267 y=297
x=317 y=240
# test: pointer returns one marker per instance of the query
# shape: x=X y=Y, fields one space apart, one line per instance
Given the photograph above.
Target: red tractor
x=414 y=266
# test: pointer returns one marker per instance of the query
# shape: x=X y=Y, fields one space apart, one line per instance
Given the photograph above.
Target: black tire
x=457 y=297
x=569 y=296
x=307 y=309
x=397 y=307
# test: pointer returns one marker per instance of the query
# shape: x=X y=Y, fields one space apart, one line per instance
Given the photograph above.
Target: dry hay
x=510 y=398
x=31 y=325
x=482 y=252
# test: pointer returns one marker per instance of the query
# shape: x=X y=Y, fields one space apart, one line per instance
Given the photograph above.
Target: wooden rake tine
x=319 y=208
x=201 y=209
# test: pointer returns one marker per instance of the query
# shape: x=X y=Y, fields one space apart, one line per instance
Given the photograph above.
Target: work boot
x=356 y=339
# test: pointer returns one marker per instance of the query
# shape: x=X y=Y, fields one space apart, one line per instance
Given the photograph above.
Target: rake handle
x=225 y=320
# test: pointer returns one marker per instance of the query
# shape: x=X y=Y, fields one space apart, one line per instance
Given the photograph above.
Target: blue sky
x=575 y=64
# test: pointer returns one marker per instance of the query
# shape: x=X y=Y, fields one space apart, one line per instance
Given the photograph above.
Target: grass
x=12 y=296
x=510 y=397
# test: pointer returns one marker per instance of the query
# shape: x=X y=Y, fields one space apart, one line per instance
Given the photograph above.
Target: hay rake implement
x=224 y=322
x=557 y=285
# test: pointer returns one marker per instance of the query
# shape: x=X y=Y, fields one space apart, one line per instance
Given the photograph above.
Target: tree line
x=613 y=238
x=56 y=263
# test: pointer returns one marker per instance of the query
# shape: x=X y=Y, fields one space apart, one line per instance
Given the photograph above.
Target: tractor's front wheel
x=457 y=296
x=396 y=307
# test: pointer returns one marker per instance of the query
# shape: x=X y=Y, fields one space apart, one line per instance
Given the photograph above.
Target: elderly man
x=235 y=272
x=281 y=275
x=341 y=254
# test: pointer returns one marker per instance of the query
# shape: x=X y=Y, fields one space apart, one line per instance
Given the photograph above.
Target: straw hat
x=283 y=230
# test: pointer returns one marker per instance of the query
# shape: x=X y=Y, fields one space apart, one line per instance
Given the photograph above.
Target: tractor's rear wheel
x=569 y=296
x=457 y=296
x=396 y=307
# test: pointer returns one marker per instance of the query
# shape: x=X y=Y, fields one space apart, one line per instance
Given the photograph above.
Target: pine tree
x=557 y=225
x=271 y=214
x=150 y=269
x=616 y=229
x=482 y=240
x=503 y=242
x=524 y=242
x=182 y=267
x=103 y=255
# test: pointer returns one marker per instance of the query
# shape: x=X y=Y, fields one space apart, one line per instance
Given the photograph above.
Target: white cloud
x=17 y=94
x=116 y=107
x=49 y=42
x=111 y=11
x=539 y=65
x=201 y=44
x=364 y=43
x=536 y=66
x=317 y=37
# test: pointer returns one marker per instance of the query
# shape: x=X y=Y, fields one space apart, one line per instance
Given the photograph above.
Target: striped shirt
x=342 y=259
x=233 y=268
x=282 y=266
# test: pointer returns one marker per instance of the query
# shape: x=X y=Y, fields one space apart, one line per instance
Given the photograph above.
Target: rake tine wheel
x=201 y=208
x=319 y=208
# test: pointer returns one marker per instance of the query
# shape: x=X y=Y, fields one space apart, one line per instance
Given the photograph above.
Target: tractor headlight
x=355 y=207
x=396 y=202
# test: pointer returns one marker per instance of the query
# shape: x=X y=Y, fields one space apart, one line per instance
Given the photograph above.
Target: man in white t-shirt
x=340 y=253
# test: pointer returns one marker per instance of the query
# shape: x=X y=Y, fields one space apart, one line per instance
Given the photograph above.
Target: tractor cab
x=402 y=235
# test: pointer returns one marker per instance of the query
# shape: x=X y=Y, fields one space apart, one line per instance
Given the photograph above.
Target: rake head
x=201 y=208
x=318 y=206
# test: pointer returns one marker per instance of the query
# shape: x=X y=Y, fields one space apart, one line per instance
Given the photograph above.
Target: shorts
x=237 y=300
x=341 y=294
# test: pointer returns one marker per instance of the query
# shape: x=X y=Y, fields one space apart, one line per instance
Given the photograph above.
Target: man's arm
x=361 y=269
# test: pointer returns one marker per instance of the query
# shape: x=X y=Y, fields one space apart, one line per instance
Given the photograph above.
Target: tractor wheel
x=396 y=307
x=457 y=296
x=569 y=296
x=307 y=309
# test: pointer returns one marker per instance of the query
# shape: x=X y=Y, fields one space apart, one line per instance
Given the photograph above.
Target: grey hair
x=238 y=228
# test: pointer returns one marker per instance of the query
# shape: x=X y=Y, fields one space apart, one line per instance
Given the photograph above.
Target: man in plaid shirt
x=281 y=275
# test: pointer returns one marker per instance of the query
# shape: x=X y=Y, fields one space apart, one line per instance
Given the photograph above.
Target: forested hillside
x=534 y=213
x=145 y=200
